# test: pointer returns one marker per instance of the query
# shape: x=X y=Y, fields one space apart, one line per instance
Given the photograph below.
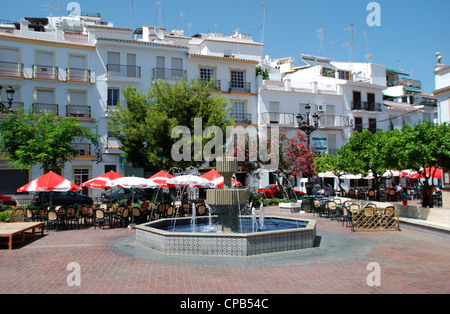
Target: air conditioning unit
x=321 y=107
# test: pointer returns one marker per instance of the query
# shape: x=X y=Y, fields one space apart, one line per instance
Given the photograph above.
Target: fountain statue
x=227 y=202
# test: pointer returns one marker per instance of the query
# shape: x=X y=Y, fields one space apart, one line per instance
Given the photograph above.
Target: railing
x=43 y=108
x=244 y=118
x=83 y=149
x=45 y=71
x=112 y=143
x=332 y=120
x=215 y=85
x=366 y=106
x=168 y=74
x=11 y=69
x=242 y=87
x=78 y=111
x=277 y=118
x=123 y=70
x=79 y=75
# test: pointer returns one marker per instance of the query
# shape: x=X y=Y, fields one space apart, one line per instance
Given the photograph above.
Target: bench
x=17 y=231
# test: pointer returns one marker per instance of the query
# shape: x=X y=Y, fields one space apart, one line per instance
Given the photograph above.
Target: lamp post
x=306 y=126
x=9 y=95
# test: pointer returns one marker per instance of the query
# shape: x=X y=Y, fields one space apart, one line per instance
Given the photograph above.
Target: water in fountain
x=254 y=223
x=193 y=218
x=261 y=216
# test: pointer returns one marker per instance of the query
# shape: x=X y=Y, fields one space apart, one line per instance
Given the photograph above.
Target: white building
x=442 y=90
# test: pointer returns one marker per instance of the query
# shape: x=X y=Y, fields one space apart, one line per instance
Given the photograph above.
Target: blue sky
x=410 y=33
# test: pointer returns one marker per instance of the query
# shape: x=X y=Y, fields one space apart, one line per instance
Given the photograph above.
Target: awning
x=413 y=90
x=400 y=72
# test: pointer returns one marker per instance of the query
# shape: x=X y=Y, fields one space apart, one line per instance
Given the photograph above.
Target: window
x=373 y=125
x=358 y=124
x=77 y=68
x=77 y=105
x=81 y=175
x=177 y=67
x=44 y=67
x=9 y=62
x=237 y=79
x=328 y=72
x=344 y=75
x=207 y=74
x=356 y=105
x=113 y=97
x=239 y=110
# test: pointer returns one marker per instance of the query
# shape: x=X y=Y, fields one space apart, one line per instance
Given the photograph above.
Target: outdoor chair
x=371 y=194
x=86 y=214
x=351 y=193
x=346 y=215
x=99 y=218
x=370 y=205
x=186 y=208
x=353 y=207
x=52 y=219
x=30 y=215
x=122 y=218
x=161 y=210
x=317 y=208
x=73 y=216
x=347 y=203
x=170 y=211
x=392 y=196
x=331 y=209
x=201 y=209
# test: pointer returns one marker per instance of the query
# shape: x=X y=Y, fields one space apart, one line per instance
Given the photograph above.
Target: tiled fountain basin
x=152 y=236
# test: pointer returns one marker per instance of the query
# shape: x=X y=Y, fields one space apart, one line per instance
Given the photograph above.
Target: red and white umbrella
x=161 y=178
x=131 y=183
x=189 y=180
x=50 y=182
x=217 y=179
x=100 y=181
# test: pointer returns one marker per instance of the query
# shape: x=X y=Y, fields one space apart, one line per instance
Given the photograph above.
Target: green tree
x=28 y=139
x=365 y=152
x=424 y=145
x=144 y=123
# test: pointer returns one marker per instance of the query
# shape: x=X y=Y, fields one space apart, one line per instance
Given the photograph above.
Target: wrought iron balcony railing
x=43 y=108
x=123 y=70
x=168 y=74
x=242 y=118
x=78 y=111
x=11 y=69
x=45 y=71
x=243 y=87
x=78 y=75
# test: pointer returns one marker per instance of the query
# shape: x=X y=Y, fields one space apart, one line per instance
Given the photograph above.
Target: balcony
x=240 y=87
x=277 y=118
x=242 y=118
x=83 y=149
x=78 y=111
x=366 y=106
x=45 y=72
x=123 y=70
x=168 y=74
x=11 y=69
x=44 y=108
x=78 y=75
x=333 y=121
x=215 y=85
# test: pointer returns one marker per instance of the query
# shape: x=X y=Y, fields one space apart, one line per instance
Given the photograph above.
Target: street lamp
x=9 y=95
x=306 y=126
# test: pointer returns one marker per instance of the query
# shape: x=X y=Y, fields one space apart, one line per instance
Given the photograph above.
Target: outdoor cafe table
x=111 y=214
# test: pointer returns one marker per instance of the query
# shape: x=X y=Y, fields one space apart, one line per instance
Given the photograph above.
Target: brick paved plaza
x=111 y=262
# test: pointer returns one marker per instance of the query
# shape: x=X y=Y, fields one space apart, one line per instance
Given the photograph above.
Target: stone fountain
x=227 y=202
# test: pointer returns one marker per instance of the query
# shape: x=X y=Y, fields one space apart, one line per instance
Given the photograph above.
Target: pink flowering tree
x=295 y=158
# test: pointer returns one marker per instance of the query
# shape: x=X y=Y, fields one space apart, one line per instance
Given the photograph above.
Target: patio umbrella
x=189 y=180
x=161 y=178
x=436 y=173
x=217 y=179
x=132 y=183
x=50 y=182
x=100 y=181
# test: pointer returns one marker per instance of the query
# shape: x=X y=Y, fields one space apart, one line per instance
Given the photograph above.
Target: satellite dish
x=159 y=33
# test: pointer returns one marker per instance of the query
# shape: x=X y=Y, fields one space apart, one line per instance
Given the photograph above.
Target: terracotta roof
x=138 y=42
x=223 y=58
